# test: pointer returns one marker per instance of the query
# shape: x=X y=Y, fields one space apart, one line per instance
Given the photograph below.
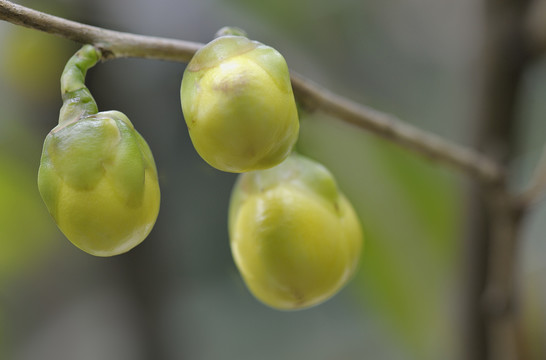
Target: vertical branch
x=474 y=270
x=491 y=309
x=499 y=298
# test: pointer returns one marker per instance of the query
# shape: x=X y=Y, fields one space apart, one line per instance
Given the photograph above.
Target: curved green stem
x=77 y=99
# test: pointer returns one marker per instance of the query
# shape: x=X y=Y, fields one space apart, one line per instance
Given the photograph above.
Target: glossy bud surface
x=238 y=105
x=295 y=238
x=98 y=179
x=97 y=175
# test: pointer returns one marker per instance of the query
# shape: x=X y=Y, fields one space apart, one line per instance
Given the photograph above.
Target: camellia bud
x=238 y=105
x=97 y=174
x=295 y=238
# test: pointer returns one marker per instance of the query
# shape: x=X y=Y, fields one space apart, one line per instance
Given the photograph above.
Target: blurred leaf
x=25 y=225
x=34 y=62
x=432 y=194
x=409 y=210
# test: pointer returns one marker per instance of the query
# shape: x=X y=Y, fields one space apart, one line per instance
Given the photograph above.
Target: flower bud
x=238 y=105
x=295 y=238
x=97 y=174
x=98 y=179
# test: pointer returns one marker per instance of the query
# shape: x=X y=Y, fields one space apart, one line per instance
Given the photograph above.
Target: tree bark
x=493 y=218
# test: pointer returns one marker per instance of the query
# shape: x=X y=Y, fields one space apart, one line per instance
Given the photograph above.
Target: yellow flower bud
x=238 y=105
x=295 y=238
x=98 y=180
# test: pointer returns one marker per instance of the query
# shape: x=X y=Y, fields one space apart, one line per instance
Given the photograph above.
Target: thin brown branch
x=388 y=126
x=499 y=299
x=116 y=44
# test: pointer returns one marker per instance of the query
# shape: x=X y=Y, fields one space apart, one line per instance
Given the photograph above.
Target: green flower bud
x=238 y=105
x=97 y=174
x=295 y=238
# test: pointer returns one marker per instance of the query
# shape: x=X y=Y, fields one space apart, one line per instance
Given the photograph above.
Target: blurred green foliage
x=33 y=63
x=24 y=226
x=29 y=70
x=26 y=230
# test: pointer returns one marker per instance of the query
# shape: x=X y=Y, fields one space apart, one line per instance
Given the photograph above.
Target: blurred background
x=178 y=295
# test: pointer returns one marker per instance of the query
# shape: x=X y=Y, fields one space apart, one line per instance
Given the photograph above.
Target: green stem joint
x=77 y=99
